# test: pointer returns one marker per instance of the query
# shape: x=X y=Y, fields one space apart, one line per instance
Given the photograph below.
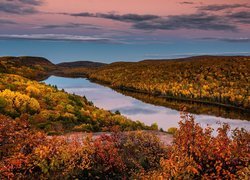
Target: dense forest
x=194 y=154
x=82 y=64
x=216 y=80
x=54 y=110
x=30 y=67
x=34 y=118
x=210 y=79
x=191 y=107
x=39 y=68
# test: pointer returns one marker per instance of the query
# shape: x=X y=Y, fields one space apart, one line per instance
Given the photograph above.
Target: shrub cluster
x=56 y=111
x=194 y=154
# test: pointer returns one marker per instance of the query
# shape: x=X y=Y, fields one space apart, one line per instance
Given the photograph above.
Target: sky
x=118 y=30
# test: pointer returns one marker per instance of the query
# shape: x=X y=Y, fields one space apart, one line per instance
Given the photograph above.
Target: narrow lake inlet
x=108 y=99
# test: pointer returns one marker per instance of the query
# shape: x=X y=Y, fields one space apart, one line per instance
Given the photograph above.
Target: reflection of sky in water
x=136 y=110
x=106 y=98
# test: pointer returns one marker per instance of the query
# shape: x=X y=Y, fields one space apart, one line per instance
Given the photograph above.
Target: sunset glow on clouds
x=126 y=22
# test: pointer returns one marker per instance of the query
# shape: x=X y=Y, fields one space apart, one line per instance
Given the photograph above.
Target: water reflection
x=192 y=107
x=106 y=98
x=135 y=110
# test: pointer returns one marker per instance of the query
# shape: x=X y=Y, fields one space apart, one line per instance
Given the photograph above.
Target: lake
x=108 y=99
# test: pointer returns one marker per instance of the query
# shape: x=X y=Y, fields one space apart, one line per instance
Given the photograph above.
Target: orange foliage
x=196 y=153
x=211 y=79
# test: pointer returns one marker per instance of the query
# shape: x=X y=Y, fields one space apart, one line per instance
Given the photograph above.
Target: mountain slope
x=30 y=67
x=76 y=64
x=54 y=110
x=220 y=80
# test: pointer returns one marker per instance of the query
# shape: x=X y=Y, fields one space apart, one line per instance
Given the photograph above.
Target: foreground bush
x=196 y=153
x=27 y=153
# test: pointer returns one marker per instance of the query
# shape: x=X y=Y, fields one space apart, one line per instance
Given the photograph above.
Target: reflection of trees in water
x=192 y=107
x=218 y=80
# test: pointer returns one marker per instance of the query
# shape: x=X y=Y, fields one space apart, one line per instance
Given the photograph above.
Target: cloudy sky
x=113 y=30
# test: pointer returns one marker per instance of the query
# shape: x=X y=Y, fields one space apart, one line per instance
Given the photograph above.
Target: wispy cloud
x=117 y=17
x=69 y=25
x=6 y=21
x=219 y=7
x=186 y=2
x=201 y=21
x=242 y=17
x=56 y=37
x=32 y=2
x=232 y=40
x=20 y=7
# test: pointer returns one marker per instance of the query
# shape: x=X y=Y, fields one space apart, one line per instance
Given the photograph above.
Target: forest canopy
x=56 y=111
x=31 y=111
x=215 y=80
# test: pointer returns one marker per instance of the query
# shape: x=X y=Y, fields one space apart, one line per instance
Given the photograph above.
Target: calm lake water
x=108 y=99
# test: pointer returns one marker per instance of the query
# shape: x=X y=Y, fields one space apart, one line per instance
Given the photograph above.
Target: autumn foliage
x=212 y=79
x=29 y=67
x=56 y=111
x=195 y=153
x=27 y=153
x=31 y=112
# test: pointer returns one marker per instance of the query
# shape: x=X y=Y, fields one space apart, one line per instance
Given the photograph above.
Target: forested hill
x=219 y=80
x=222 y=80
x=197 y=58
x=39 y=68
x=46 y=107
x=30 y=67
x=27 y=60
x=77 y=68
x=31 y=110
x=55 y=111
x=77 y=64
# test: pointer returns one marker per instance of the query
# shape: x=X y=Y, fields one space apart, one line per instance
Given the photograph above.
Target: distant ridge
x=88 y=64
x=30 y=67
x=194 y=58
x=218 y=80
x=27 y=60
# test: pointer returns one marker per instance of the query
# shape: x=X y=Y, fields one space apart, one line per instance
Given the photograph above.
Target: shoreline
x=60 y=73
x=159 y=95
x=129 y=89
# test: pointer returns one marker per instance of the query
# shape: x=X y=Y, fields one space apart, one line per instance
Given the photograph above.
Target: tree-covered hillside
x=30 y=111
x=30 y=67
x=211 y=79
x=83 y=64
x=54 y=110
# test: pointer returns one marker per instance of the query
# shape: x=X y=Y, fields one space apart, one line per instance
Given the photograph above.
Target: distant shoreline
x=129 y=89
